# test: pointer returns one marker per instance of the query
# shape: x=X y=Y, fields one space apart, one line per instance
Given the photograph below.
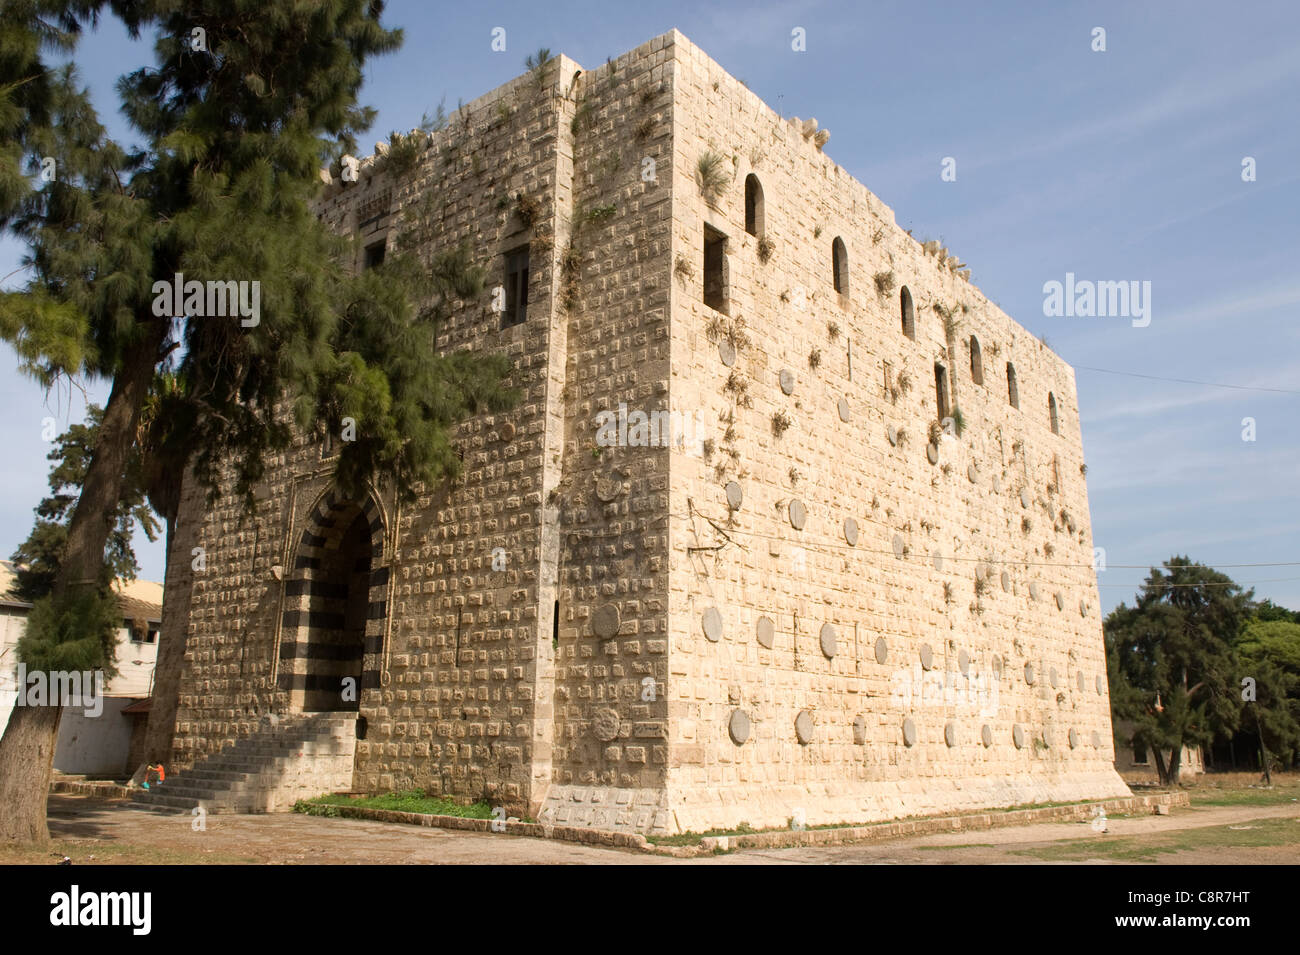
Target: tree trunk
x=26 y=762
x=1175 y=763
x=182 y=536
x=27 y=747
x=1161 y=772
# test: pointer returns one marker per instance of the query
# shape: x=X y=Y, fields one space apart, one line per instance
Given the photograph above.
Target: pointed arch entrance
x=332 y=631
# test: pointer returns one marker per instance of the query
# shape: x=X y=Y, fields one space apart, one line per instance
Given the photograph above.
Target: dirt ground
x=92 y=831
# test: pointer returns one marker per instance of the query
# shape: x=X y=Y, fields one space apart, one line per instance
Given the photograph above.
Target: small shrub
x=780 y=423
x=765 y=249
x=817 y=231
x=904 y=383
x=528 y=208
x=684 y=269
x=645 y=128
x=1026 y=525
x=958 y=421
x=793 y=475
x=712 y=177
x=814 y=358
x=599 y=213
x=535 y=63
x=877 y=235
x=832 y=331
x=884 y=283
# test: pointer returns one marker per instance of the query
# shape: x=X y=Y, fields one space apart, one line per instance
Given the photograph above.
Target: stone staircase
x=284 y=760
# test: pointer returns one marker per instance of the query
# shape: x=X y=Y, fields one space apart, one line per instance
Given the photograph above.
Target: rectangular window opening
x=375 y=254
x=715 y=280
x=941 y=391
x=516 y=304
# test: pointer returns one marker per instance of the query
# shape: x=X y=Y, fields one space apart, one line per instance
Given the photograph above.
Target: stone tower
x=791 y=521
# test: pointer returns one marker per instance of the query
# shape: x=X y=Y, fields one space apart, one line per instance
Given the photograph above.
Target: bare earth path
x=1227 y=835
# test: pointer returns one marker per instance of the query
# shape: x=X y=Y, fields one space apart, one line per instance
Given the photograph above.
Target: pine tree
x=1171 y=661
x=242 y=104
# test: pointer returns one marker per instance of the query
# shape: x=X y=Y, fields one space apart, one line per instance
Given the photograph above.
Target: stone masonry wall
x=853 y=575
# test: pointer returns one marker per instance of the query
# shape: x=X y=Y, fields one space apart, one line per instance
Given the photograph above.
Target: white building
x=98 y=745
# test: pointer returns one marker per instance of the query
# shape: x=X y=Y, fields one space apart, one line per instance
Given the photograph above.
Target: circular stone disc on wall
x=892 y=433
x=1033 y=590
x=843 y=408
x=712 y=621
x=1074 y=739
x=860 y=729
x=950 y=734
x=973 y=474
x=507 y=431
x=927 y=656
x=1060 y=602
x=1018 y=736
x=932 y=453
x=727 y=352
x=898 y=546
x=787 y=381
x=1048 y=736
x=909 y=733
x=1052 y=676
x=1083 y=608
x=851 y=531
x=938 y=562
x=798 y=514
x=735 y=495
x=997 y=484
x=738 y=727
x=766 y=632
x=1080 y=681
x=604 y=725
x=1101 y=687
x=1024 y=497
x=607 y=489
x=828 y=641
x=986 y=735
x=1029 y=673
x=882 y=650
x=803 y=727
x=1006 y=582
x=605 y=621
x=963 y=663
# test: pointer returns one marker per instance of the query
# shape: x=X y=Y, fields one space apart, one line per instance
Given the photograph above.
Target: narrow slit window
x=909 y=314
x=715 y=278
x=976 y=361
x=516 y=288
x=1052 y=414
x=753 y=205
x=1013 y=393
x=941 y=391
x=840 y=265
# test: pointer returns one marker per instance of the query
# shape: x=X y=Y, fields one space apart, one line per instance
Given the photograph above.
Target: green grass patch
x=1148 y=848
x=409 y=800
x=1261 y=796
x=960 y=845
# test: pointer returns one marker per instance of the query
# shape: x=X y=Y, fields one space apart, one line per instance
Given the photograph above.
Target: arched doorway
x=333 y=626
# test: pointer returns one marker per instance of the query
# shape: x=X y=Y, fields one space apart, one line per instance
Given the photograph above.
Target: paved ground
x=84 y=827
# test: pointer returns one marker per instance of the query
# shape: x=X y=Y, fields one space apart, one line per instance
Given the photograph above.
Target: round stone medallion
x=738 y=727
x=997 y=484
x=1006 y=582
x=507 y=431
x=1018 y=736
x=605 y=621
x=882 y=650
x=1048 y=736
x=1083 y=608
x=1052 y=676
x=803 y=727
x=798 y=514
x=927 y=656
x=1029 y=673
x=892 y=433
x=973 y=474
x=843 y=408
x=607 y=489
x=950 y=734
x=986 y=735
x=712 y=621
x=735 y=495
x=727 y=352
x=860 y=729
x=766 y=632
x=1033 y=590
x=909 y=733
x=604 y=725
x=963 y=663
x=898 y=546
x=1101 y=685
x=1060 y=602
x=1074 y=739
x=938 y=561
x=932 y=453
x=1079 y=681
x=828 y=641
x=1024 y=497
x=787 y=381
x=851 y=531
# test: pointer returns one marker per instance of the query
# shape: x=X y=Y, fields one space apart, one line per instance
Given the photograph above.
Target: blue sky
x=1116 y=165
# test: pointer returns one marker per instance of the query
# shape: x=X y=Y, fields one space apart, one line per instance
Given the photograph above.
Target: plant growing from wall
x=535 y=63
x=780 y=423
x=814 y=358
x=832 y=331
x=765 y=249
x=683 y=269
x=712 y=177
x=884 y=283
